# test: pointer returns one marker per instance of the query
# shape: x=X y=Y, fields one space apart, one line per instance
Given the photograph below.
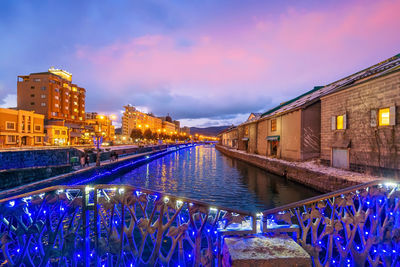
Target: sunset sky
x=204 y=62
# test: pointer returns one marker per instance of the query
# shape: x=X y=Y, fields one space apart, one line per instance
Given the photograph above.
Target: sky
x=206 y=63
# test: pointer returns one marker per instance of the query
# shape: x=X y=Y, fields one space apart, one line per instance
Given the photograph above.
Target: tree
x=148 y=134
x=136 y=134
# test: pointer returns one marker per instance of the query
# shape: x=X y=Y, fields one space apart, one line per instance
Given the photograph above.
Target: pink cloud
x=274 y=56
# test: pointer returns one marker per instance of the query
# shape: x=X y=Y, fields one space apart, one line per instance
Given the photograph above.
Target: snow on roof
x=384 y=67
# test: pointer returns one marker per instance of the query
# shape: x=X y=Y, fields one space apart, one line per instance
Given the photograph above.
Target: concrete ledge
x=259 y=250
x=323 y=179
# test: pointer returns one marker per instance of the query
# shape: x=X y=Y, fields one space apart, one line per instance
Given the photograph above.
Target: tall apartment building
x=134 y=119
x=52 y=94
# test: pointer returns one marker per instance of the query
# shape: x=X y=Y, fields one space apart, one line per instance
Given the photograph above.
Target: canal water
x=205 y=174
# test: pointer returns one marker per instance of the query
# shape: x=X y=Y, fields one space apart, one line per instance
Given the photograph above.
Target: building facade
x=134 y=119
x=52 y=94
x=21 y=128
x=360 y=124
x=99 y=125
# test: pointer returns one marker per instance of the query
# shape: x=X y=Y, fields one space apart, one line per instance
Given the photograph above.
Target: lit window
x=64 y=132
x=36 y=80
x=56 y=97
x=339 y=122
x=38 y=128
x=384 y=116
x=273 y=125
x=43 y=104
x=42 y=96
x=43 y=88
x=56 y=105
x=38 y=139
x=57 y=132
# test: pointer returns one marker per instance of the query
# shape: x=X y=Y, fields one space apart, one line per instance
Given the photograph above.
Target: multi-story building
x=99 y=125
x=134 y=119
x=186 y=130
x=177 y=126
x=52 y=94
x=20 y=128
x=57 y=134
x=168 y=127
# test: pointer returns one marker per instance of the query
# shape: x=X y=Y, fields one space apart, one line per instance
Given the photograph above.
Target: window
x=56 y=105
x=56 y=90
x=43 y=88
x=66 y=108
x=32 y=103
x=339 y=122
x=38 y=139
x=75 y=103
x=66 y=100
x=273 y=125
x=32 y=95
x=42 y=96
x=57 y=132
x=10 y=125
x=36 y=80
x=11 y=139
x=64 y=132
x=384 y=116
x=32 y=87
x=54 y=113
x=43 y=104
x=56 y=97
x=38 y=128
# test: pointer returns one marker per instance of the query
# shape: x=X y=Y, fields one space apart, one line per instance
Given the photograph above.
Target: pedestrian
x=87 y=160
x=116 y=156
x=112 y=156
x=82 y=161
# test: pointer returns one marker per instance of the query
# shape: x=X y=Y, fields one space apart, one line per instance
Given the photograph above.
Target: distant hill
x=209 y=131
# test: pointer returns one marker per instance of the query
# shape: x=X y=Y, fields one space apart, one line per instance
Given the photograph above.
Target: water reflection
x=205 y=174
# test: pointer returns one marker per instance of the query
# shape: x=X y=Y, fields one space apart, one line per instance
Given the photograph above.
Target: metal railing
x=114 y=225
x=356 y=226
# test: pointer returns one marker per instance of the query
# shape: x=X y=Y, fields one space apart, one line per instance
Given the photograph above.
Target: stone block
x=260 y=250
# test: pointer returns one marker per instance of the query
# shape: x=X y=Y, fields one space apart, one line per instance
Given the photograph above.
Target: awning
x=245 y=139
x=273 y=138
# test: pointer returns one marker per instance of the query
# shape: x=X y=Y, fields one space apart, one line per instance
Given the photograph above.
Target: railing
x=110 y=225
x=356 y=226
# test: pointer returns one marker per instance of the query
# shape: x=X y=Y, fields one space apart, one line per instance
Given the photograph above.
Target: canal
x=205 y=174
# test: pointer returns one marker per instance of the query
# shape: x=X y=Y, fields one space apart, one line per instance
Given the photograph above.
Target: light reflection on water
x=203 y=173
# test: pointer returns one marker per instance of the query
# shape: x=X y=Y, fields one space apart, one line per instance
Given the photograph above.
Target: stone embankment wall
x=317 y=180
x=21 y=182
x=35 y=158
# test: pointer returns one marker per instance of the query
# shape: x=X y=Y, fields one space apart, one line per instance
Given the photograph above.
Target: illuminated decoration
x=339 y=122
x=62 y=73
x=109 y=225
x=97 y=141
x=356 y=226
x=384 y=116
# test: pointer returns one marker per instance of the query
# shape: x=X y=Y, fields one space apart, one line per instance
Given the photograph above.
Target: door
x=340 y=158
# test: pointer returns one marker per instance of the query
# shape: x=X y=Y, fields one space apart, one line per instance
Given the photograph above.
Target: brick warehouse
x=350 y=123
x=360 y=123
